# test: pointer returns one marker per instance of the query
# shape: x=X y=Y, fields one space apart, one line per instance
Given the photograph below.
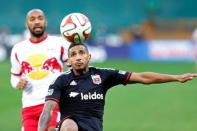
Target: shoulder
x=66 y=75
x=59 y=40
x=63 y=78
x=20 y=45
x=54 y=37
x=102 y=69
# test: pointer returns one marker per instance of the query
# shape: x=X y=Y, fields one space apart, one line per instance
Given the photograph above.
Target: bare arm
x=152 y=78
x=46 y=115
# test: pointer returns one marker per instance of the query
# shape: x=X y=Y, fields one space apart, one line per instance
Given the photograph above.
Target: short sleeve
x=54 y=90
x=116 y=77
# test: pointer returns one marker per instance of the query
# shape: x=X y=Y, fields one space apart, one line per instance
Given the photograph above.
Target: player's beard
x=37 y=34
x=81 y=70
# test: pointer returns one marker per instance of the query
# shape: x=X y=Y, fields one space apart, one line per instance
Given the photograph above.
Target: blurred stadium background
x=143 y=35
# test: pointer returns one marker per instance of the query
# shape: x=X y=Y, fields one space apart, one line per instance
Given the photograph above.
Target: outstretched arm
x=46 y=115
x=152 y=78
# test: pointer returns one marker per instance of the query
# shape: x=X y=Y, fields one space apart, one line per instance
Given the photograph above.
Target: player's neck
x=80 y=72
x=34 y=39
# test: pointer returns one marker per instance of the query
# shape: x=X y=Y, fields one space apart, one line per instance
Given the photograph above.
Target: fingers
x=188 y=77
x=22 y=84
x=191 y=76
x=194 y=75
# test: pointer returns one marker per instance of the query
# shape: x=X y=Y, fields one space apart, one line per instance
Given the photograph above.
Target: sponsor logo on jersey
x=73 y=94
x=96 y=79
x=88 y=96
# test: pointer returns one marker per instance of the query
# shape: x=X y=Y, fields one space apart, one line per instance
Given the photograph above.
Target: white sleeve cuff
x=14 y=80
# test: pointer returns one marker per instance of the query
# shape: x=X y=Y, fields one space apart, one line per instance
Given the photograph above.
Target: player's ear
x=26 y=25
x=67 y=63
x=46 y=23
x=89 y=57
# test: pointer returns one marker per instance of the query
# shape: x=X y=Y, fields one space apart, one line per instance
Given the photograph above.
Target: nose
x=78 y=57
x=37 y=21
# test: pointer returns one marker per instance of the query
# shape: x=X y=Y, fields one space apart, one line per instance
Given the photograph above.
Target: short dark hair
x=73 y=45
x=34 y=10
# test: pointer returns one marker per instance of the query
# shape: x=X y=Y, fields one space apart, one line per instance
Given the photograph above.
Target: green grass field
x=159 y=107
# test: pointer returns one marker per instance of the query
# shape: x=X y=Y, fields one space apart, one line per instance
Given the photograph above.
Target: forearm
x=46 y=115
x=44 y=120
x=152 y=77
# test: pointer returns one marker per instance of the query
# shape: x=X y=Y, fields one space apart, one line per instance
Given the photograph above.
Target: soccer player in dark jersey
x=81 y=91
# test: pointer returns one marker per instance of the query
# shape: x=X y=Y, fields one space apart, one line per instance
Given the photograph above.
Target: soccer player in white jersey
x=35 y=63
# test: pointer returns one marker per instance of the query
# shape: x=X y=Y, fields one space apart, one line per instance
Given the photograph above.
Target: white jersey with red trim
x=39 y=63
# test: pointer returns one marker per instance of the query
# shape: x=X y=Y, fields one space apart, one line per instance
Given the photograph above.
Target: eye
x=81 y=52
x=72 y=54
x=31 y=18
x=41 y=18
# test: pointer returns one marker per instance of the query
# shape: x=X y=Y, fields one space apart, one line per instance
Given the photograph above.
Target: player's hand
x=186 y=77
x=21 y=84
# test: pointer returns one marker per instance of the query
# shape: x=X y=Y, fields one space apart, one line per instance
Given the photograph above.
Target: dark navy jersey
x=84 y=96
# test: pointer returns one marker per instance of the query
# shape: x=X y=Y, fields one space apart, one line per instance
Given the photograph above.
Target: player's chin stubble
x=37 y=34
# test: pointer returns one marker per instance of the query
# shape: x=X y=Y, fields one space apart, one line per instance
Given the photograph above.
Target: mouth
x=38 y=28
x=79 y=64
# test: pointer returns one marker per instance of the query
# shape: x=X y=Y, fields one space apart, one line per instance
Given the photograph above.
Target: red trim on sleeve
x=62 y=53
x=40 y=40
x=53 y=99
x=16 y=74
x=127 y=78
x=16 y=56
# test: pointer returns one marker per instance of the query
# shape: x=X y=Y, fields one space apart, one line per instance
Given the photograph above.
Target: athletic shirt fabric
x=85 y=95
x=40 y=63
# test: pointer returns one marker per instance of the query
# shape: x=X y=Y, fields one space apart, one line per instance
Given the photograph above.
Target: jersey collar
x=39 y=41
